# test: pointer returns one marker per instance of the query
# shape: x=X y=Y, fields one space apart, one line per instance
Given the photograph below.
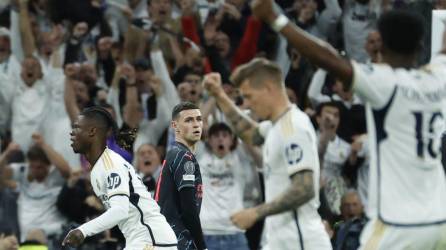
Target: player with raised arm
x=405 y=120
x=122 y=192
x=179 y=190
x=290 y=159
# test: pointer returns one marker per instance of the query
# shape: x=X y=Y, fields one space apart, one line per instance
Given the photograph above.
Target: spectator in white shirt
x=39 y=182
x=222 y=174
x=28 y=96
x=333 y=154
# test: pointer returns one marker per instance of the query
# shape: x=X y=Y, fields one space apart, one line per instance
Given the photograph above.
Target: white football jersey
x=112 y=175
x=405 y=119
x=290 y=146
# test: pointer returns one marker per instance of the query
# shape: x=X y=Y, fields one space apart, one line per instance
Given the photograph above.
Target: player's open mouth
x=147 y=163
x=221 y=147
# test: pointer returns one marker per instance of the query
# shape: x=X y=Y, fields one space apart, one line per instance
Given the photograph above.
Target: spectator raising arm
x=160 y=69
x=315 y=89
x=27 y=37
x=55 y=158
x=132 y=107
x=71 y=70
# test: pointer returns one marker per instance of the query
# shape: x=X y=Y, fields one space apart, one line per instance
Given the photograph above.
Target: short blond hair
x=257 y=71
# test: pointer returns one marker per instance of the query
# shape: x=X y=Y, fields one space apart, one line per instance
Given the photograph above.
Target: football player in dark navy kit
x=179 y=189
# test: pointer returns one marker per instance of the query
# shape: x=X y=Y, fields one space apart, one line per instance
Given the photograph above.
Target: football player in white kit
x=405 y=119
x=128 y=203
x=290 y=159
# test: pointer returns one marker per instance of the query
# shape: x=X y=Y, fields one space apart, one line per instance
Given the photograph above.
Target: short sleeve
x=117 y=181
x=373 y=83
x=185 y=173
x=299 y=152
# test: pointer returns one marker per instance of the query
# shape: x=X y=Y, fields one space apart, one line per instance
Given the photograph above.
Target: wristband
x=279 y=23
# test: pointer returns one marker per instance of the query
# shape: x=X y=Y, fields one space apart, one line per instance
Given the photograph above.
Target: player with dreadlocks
x=122 y=192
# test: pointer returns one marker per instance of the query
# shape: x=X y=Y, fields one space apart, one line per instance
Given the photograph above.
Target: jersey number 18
x=420 y=127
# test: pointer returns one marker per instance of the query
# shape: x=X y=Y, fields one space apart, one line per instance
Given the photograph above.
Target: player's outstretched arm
x=300 y=192
x=245 y=127
x=119 y=210
x=316 y=50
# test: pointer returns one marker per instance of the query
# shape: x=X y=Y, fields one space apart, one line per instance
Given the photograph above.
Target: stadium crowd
x=138 y=59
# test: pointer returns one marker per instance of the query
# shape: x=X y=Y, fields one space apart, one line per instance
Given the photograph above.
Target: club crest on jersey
x=189 y=167
x=113 y=181
x=293 y=153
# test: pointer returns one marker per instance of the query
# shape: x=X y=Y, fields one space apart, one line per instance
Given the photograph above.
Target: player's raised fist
x=263 y=9
x=212 y=83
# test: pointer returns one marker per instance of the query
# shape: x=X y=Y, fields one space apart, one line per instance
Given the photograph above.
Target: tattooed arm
x=300 y=192
x=244 y=126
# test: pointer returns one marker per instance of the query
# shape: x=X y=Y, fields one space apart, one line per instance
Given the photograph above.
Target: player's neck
x=190 y=146
x=280 y=107
x=95 y=153
x=396 y=60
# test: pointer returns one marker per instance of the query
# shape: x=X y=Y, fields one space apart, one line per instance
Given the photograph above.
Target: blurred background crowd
x=138 y=59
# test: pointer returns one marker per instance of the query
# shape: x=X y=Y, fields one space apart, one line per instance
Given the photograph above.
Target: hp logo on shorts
x=113 y=181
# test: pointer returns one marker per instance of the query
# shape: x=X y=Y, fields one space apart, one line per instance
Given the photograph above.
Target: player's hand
x=263 y=9
x=212 y=83
x=74 y=238
x=245 y=219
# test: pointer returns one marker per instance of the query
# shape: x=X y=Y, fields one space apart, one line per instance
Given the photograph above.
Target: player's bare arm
x=300 y=191
x=316 y=50
x=245 y=127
